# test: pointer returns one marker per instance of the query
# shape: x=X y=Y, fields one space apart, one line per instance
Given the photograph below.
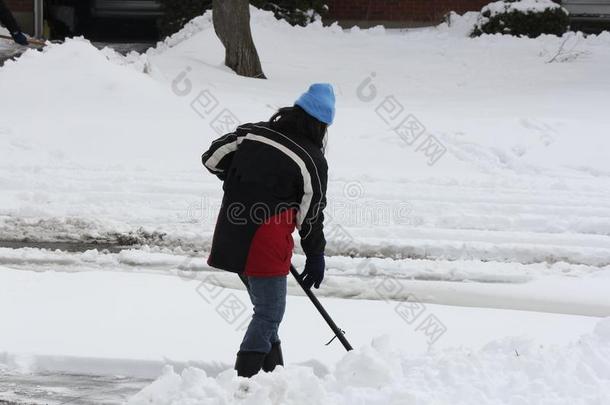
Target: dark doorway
x=104 y=20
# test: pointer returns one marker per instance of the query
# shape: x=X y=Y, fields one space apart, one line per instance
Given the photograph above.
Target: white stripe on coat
x=307 y=189
x=220 y=153
x=317 y=206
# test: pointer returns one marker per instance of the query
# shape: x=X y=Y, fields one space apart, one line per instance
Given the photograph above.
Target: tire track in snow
x=528 y=220
x=558 y=288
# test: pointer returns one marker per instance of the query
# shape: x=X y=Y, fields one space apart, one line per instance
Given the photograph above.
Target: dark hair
x=297 y=120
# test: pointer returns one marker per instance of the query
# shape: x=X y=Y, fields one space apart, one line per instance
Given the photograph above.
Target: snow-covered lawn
x=92 y=147
x=471 y=172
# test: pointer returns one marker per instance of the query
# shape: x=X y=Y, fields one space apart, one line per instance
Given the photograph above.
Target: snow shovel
x=339 y=334
x=31 y=41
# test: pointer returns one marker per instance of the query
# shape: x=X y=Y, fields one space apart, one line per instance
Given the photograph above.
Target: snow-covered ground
x=92 y=148
x=106 y=322
x=467 y=176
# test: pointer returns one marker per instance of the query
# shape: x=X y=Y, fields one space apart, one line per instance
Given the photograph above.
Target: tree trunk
x=232 y=26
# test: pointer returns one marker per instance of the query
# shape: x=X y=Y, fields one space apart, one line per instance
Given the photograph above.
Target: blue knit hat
x=319 y=102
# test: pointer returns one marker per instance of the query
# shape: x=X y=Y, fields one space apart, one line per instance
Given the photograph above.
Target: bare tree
x=232 y=25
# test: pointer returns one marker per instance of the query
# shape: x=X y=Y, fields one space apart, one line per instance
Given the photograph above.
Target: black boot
x=249 y=363
x=273 y=358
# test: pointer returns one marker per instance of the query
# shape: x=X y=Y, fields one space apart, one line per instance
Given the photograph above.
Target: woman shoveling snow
x=274 y=177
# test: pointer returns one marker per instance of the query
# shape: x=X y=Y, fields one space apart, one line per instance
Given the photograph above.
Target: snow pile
x=459 y=25
x=258 y=18
x=523 y=6
x=195 y=26
x=511 y=371
x=90 y=111
x=135 y=60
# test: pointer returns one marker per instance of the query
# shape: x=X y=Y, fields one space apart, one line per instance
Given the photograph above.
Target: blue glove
x=314 y=271
x=19 y=38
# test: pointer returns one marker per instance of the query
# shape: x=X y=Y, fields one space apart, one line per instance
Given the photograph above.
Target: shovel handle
x=316 y=303
x=32 y=41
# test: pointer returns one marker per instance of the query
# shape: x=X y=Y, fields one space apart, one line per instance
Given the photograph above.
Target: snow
x=504 y=236
x=8 y=48
x=134 y=324
x=524 y=178
x=557 y=288
x=509 y=371
x=459 y=24
x=524 y=6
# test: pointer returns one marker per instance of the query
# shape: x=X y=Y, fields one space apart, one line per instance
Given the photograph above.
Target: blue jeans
x=268 y=295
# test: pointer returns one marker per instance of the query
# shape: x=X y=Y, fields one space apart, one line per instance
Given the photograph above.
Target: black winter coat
x=273 y=182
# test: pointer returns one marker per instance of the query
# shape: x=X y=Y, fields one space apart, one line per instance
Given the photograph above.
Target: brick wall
x=425 y=11
x=17 y=6
x=379 y=11
x=399 y=10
